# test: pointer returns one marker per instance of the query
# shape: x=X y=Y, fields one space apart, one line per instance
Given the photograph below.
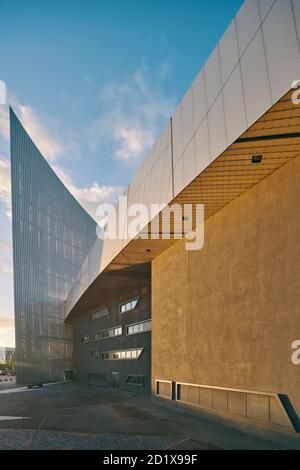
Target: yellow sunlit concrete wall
x=227 y=315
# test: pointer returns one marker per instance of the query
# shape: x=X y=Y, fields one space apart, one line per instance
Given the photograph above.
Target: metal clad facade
x=52 y=235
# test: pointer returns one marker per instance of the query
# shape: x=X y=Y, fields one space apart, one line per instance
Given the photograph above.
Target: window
x=140 y=327
x=127 y=306
x=135 y=380
x=100 y=313
x=110 y=333
x=125 y=354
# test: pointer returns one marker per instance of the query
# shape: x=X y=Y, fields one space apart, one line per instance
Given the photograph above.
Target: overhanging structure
x=232 y=144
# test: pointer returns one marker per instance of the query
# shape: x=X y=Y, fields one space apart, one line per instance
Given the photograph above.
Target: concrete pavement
x=71 y=416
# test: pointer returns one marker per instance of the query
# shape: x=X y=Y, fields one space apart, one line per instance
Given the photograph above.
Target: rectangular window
x=125 y=354
x=130 y=305
x=100 y=313
x=135 y=380
x=110 y=333
x=140 y=327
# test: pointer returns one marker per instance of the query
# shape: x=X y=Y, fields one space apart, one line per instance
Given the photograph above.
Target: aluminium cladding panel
x=251 y=68
x=52 y=235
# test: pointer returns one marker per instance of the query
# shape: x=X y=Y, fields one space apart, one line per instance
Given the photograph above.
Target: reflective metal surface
x=52 y=235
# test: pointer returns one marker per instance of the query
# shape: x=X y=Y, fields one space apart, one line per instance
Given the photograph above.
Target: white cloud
x=5 y=270
x=7 y=333
x=51 y=138
x=5 y=199
x=4 y=123
x=132 y=143
x=91 y=196
x=5 y=246
x=52 y=148
x=5 y=185
x=133 y=111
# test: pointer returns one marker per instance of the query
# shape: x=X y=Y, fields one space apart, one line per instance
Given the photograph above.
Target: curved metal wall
x=52 y=235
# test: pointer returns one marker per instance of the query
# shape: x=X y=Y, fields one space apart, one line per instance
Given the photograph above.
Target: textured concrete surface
x=70 y=416
x=227 y=315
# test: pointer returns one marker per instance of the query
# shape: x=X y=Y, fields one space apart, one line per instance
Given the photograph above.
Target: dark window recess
x=257 y=159
x=135 y=380
x=100 y=313
x=96 y=377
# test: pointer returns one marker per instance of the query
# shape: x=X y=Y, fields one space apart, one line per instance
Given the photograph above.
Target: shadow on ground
x=71 y=416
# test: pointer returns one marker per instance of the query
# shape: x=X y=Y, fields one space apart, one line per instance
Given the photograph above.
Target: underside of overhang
x=275 y=137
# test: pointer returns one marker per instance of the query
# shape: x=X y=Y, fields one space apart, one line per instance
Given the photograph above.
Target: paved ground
x=71 y=416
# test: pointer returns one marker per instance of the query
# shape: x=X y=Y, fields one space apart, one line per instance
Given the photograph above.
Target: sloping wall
x=52 y=235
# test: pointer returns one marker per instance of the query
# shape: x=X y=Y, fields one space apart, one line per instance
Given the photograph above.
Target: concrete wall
x=84 y=364
x=226 y=316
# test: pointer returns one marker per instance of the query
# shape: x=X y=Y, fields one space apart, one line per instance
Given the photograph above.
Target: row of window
x=140 y=327
x=112 y=332
x=133 y=329
x=121 y=355
x=123 y=308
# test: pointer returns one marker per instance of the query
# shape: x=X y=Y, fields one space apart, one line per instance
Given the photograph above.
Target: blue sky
x=94 y=83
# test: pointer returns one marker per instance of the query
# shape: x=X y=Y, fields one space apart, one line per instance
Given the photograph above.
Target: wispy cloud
x=5 y=185
x=5 y=246
x=132 y=142
x=4 y=123
x=5 y=269
x=53 y=148
x=133 y=110
x=90 y=196
x=52 y=139
x=7 y=332
x=6 y=322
